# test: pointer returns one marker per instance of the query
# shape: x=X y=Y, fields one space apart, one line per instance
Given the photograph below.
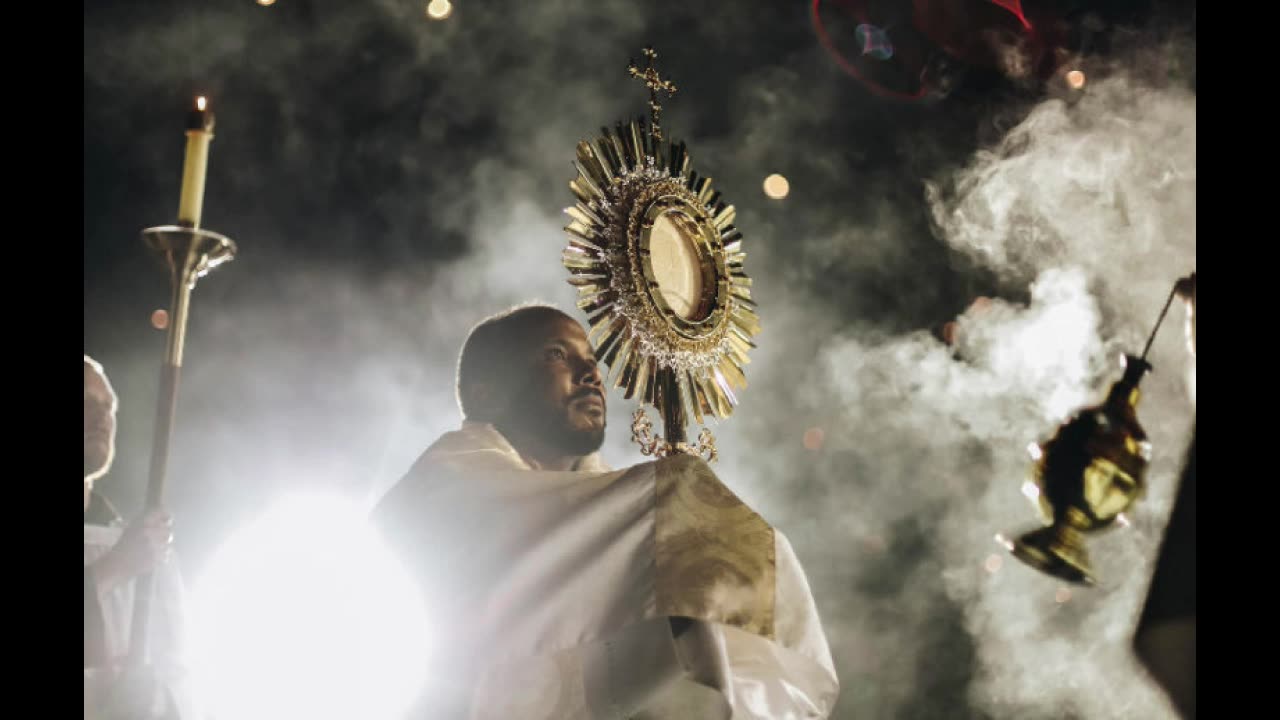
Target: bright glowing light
x=1030 y=490
x=1034 y=451
x=776 y=186
x=1075 y=79
x=1047 y=346
x=201 y=103
x=439 y=9
x=1004 y=542
x=1123 y=520
x=304 y=614
x=265 y=3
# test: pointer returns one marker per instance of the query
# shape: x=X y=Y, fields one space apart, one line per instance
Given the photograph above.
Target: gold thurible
x=1092 y=470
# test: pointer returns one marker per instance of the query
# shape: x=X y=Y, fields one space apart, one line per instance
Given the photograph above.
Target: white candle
x=199 y=134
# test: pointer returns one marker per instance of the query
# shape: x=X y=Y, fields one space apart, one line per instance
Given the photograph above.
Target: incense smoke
x=392 y=180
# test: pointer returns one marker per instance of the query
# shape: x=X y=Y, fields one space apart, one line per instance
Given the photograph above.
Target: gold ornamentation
x=707 y=446
x=642 y=434
x=655 y=83
x=715 y=557
x=658 y=265
x=650 y=444
x=1092 y=470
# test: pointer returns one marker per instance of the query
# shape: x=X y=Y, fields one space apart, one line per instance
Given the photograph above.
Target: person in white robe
x=115 y=554
x=559 y=588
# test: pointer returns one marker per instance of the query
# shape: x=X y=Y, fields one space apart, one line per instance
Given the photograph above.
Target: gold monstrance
x=658 y=266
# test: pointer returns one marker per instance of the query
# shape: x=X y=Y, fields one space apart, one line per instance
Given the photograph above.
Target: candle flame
x=201 y=103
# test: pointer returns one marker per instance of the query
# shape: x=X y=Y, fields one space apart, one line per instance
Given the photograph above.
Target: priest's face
x=562 y=401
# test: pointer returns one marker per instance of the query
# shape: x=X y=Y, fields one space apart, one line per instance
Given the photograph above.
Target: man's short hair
x=490 y=346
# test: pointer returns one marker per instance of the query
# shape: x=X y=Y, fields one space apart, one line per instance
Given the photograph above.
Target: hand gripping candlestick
x=190 y=253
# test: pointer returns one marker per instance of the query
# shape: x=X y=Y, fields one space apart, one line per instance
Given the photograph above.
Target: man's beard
x=574 y=441
x=562 y=435
x=555 y=429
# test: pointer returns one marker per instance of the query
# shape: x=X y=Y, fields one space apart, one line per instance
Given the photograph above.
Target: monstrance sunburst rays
x=658 y=265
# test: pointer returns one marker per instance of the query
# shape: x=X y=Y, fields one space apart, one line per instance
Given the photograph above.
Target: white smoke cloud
x=1093 y=206
x=306 y=373
x=1106 y=183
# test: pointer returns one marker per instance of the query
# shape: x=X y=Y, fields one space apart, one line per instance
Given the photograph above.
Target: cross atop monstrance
x=654 y=82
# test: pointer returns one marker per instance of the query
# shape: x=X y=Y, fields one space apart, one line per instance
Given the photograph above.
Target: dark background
x=390 y=180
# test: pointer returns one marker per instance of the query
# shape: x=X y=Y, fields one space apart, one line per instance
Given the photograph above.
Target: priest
x=563 y=589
